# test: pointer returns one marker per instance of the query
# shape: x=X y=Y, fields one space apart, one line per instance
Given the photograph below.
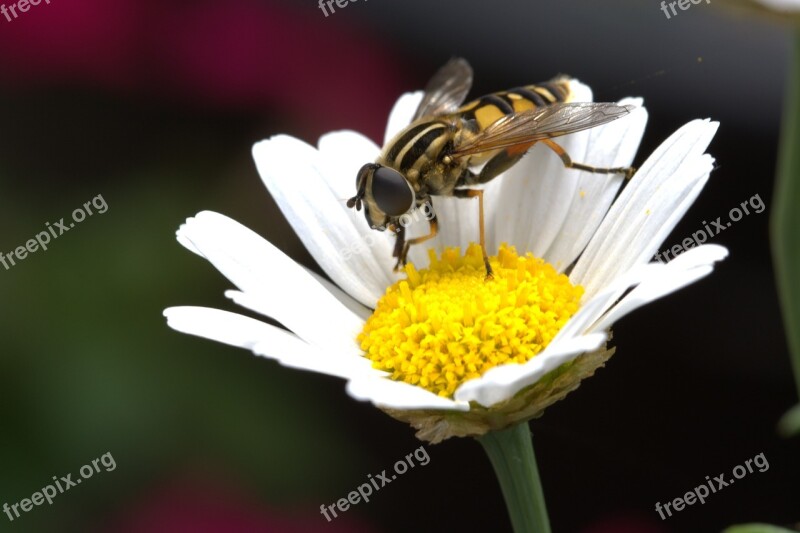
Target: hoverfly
x=435 y=155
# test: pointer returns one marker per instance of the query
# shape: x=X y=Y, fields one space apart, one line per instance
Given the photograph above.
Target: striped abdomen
x=491 y=107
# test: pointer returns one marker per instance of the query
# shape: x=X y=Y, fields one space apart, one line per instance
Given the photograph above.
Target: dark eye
x=391 y=191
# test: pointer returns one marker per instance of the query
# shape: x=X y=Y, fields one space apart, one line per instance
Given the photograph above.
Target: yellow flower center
x=445 y=325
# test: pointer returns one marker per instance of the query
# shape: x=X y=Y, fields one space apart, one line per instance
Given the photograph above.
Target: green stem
x=511 y=454
x=785 y=219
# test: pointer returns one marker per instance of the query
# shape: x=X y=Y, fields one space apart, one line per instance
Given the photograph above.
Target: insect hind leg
x=628 y=172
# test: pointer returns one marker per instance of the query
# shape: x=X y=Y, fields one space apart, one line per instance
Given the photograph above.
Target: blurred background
x=155 y=104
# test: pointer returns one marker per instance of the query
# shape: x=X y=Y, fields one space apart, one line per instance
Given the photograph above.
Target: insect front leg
x=401 y=245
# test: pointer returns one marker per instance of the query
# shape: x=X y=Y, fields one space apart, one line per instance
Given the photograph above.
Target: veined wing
x=446 y=90
x=541 y=123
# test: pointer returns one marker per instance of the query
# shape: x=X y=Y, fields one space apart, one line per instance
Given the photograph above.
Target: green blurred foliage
x=789 y=424
x=757 y=528
x=88 y=365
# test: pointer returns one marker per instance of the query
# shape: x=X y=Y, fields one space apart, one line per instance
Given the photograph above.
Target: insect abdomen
x=489 y=108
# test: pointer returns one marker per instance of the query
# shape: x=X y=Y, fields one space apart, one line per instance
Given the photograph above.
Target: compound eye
x=392 y=193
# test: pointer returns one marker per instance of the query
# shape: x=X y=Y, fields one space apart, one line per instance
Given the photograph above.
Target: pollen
x=446 y=324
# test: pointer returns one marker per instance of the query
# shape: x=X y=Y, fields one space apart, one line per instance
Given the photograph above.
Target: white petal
x=611 y=145
x=648 y=208
x=384 y=392
x=695 y=264
x=322 y=363
x=186 y=243
x=702 y=255
x=334 y=235
x=325 y=335
x=342 y=154
x=402 y=113
x=503 y=382
x=265 y=340
x=232 y=329
x=351 y=303
x=258 y=268
x=592 y=309
x=580 y=92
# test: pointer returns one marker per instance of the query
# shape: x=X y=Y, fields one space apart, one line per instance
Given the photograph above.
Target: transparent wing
x=446 y=90
x=541 y=123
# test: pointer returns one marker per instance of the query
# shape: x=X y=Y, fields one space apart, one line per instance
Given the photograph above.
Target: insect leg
x=401 y=246
x=399 y=243
x=471 y=193
x=569 y=163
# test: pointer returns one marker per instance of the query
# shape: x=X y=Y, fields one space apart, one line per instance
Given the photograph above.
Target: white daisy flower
x=445 y=351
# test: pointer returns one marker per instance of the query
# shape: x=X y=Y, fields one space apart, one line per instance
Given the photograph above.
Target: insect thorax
x=419 y=152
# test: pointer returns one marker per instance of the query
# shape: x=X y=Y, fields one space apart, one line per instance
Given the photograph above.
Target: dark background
x=155 y=105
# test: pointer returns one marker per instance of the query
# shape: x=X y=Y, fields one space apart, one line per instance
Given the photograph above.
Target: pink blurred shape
x=205 y=507
x=627 y=523
x=240 y=55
